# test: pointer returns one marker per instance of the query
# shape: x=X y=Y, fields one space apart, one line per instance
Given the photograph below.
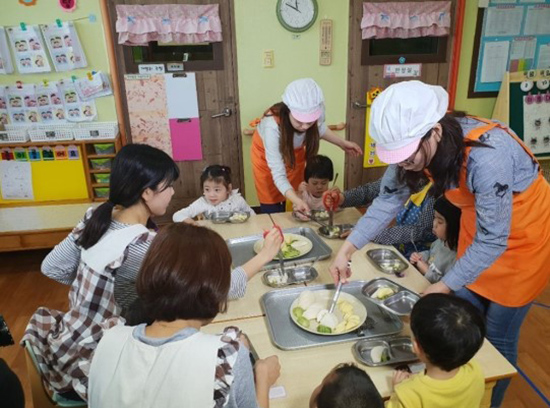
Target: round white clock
x=297 y=15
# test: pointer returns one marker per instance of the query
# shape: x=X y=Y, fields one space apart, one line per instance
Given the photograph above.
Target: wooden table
x=303 y=370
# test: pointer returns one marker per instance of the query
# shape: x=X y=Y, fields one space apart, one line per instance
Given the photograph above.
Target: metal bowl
x=387 y=261
x=336 y=232
x=220 y=217
x=292 y=276
x=398 y=350
x=239 y=217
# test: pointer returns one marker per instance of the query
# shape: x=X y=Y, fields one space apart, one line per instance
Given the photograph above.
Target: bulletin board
x=511 y=35
x=56 y=180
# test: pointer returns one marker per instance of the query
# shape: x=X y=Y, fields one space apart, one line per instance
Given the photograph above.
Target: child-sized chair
x=41 y=397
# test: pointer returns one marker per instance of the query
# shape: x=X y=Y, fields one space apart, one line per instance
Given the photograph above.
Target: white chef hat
x=305 y=100
x=402 y=114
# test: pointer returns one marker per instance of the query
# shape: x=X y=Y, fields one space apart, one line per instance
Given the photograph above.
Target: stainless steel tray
x=287 y=336
x=295 y=275
x=399 y=350
x=242 y=249
x=400 y=303
x=387 y=261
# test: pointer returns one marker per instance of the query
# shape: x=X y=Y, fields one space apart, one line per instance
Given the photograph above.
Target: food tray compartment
x=295 y=275
x=400 y=302
x=242 y=249
x=397 y=350
x=387 y=261
x=234 y=217
x=342 y=228
x=287 y=336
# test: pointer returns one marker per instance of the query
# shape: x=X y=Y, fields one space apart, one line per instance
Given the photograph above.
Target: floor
x=23 y=289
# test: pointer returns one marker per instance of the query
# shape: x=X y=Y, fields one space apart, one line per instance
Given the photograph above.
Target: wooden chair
x=41 y=397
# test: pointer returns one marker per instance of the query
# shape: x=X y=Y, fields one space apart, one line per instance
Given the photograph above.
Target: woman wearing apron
x=287 y=135
x=483 y=168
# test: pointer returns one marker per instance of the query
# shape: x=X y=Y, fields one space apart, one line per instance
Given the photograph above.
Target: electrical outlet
x=269 y=61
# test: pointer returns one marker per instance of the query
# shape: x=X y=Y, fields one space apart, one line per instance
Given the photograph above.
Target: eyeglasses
x=410 y=160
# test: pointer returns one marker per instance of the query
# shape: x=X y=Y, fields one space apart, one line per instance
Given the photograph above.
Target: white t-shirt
x=270 y=133
x=235 y=202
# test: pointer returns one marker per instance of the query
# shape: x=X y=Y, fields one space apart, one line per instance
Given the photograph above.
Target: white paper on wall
x=3 y=107
x=50 y=104
x=495 y=60
x=64 y=46
x=6 y=65
x=75 y=109
x=16 y=180
x=28 y=50
x=181 y=94
x=22 y=104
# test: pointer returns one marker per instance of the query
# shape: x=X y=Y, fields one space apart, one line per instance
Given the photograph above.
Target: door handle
x=226 y=112
x=359 y=105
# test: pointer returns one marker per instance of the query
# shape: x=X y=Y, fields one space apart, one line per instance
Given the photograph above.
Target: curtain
x=406 y=19
x=166 y=23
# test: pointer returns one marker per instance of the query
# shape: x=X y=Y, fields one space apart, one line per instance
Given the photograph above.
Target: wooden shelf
x=99 y=171
x=100 y=185
x=58 y=142
x=101 y=156
x=100 y=199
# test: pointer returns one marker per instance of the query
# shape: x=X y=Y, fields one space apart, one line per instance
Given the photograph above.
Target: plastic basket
x=52 y=133
x=96 y=130
x=101 y=164
x=14 y=134
x=101 y=192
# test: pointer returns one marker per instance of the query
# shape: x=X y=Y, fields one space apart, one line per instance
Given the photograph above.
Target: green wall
x=91 y=35
x=257 y=29
x=482 y=107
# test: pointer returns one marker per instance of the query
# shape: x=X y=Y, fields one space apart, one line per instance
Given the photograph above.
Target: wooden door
x=217 y=93
x=361 y=78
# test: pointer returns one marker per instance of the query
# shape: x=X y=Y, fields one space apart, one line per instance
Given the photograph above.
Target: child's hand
x=415 y=257
x=190 y=221
x=399 y=376
x=267 y=369
x=332 y=198
x=272 y=243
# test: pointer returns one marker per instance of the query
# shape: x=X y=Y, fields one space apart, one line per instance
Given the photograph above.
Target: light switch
x=269 y=61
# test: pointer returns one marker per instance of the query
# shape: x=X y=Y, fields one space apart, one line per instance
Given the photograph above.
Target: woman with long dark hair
x=287 y=136
x=484 y=169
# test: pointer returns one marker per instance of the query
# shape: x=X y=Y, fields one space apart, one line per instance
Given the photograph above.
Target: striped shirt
x=62 y=262
x=419 y=231
x=493 y=175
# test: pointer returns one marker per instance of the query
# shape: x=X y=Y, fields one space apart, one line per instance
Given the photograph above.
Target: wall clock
x=297 y=15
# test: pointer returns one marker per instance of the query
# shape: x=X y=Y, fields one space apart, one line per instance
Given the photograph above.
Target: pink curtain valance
x=178 y=23
x=406 y=19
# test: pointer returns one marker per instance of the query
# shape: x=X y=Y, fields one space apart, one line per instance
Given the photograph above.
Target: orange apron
x=522 y=272
x=267 y=192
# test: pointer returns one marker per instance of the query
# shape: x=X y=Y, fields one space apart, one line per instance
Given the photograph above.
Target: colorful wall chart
x=370 y=159
x=515 y=37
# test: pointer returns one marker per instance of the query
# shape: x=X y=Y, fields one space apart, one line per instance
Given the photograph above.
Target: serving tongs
x=338 y=290
x=332 y=207
x=280 y=255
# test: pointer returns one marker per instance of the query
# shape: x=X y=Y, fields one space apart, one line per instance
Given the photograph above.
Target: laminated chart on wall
x=50 y=104
x=183 y=115
x=16 y=180
x=3 y=107
x=76 y=110
x=147 y=110
x=64 y=46
x=6 y=65
x=28 y=49
x=515 y=36
x=370 y=159
x=22 y=103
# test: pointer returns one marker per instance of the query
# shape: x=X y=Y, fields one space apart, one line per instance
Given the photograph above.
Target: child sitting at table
x=436 y=262
x=346 y=386
x=171 y=363
x=218 y=196
x=448 y=331
x=318 y=174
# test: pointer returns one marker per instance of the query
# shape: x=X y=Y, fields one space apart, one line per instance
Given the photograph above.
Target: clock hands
x=294 y=7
